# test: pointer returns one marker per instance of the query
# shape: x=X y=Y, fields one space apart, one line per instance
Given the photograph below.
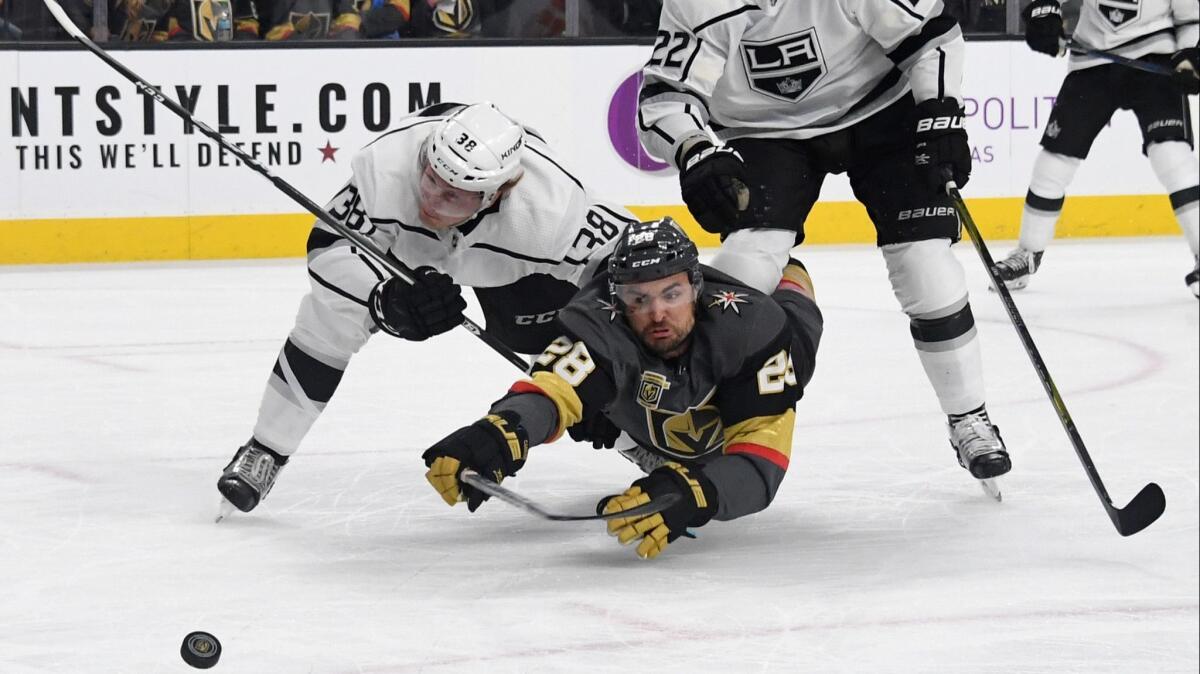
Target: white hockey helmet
x=478 y=149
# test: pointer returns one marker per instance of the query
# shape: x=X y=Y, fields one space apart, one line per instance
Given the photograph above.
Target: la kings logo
x=785 y=68
x=1119 y=12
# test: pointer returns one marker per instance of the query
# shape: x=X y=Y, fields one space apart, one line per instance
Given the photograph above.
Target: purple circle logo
x=622 y=126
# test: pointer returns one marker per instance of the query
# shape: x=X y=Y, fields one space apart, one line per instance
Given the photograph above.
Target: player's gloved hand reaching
x=596 y=429
x=495 y=447
x=713 y=182
x=1044 y=27
x=1187 y=70
x=431 y=305
x=696 y=506
x=941 y=143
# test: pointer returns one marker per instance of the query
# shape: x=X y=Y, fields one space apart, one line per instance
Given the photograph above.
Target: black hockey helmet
x=651 y=250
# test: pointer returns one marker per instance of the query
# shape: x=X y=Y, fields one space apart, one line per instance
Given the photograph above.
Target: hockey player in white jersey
x=756 y=101
x=463 y=195
x=1162 y=32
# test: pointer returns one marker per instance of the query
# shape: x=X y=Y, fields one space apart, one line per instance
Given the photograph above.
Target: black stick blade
x=1141 y=512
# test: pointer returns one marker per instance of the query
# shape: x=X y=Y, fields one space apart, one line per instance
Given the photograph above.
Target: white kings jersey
x=791 y=68
x=1135 y=28
x=547 y=224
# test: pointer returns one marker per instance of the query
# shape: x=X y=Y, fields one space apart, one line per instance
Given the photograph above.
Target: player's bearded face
x=443 y=205
x=661 y=312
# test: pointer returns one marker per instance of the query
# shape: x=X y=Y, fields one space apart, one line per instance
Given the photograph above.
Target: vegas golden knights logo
x=651 y=389
x=693 y=432
x=204 y=18
x=454 y=16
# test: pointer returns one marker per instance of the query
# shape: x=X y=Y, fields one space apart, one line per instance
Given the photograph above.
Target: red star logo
x=327 y=153
x=727 y=299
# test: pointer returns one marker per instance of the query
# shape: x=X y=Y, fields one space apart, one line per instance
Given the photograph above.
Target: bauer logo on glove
x=495 y=447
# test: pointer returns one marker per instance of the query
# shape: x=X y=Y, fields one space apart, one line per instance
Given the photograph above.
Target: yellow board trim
x=1000 y=218
x=211 y=237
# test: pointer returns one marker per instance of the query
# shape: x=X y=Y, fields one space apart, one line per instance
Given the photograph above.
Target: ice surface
x=125 y=389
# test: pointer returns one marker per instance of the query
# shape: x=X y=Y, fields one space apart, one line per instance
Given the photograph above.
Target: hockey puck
x=200 y=650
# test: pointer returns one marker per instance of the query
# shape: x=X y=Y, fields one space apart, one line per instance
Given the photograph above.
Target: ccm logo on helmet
x=646 y=263
x=939 y=123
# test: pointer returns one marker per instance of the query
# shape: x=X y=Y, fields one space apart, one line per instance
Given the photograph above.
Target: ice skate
x=980 y=449
x=248 y=478
x=1016 y=269
x=1193 y=279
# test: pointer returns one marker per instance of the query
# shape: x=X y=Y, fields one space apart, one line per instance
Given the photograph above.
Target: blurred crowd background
x=280 y=20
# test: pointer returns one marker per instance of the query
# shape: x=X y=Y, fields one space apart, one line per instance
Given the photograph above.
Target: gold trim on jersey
x=772 y=432
x=563 y=395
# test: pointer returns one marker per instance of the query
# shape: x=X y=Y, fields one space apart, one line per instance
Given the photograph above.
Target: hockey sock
x=949 y=351
x=301 y=384
x=1179 y=174
x=932 y=289
x=1047 y=189
x=980 y=411
x=755 y=256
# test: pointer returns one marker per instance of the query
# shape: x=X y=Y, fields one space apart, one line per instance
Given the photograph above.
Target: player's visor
x=640 y=298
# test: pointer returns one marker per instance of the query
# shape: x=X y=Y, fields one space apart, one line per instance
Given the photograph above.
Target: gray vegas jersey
x=791 y=68
x=1135 y=28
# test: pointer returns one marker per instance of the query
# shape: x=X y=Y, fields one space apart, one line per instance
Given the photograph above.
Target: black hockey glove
x=1044 y=27
x=713 y=182
x=942 y=150
x=598 y=430
x=495 y=447
x=696 y=506
x=430 y=306
x=1187 y=71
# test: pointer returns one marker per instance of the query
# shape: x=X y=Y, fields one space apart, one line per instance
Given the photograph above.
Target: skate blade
x=226 y=510
x=991 y=489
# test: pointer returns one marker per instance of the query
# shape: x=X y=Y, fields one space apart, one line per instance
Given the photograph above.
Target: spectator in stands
x=245 y=19
x=311 y=19
x=978 y=16
x=28 y=20
x=9 y=32
x=392 y=19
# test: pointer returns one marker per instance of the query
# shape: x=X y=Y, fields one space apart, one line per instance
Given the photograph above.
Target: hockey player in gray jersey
x=1162 y=32
x=757 y=101
x=701 y=371
x=463 y=195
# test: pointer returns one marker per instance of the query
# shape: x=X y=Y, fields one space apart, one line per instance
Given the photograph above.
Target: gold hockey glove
x=495 y=447
x=697 y=505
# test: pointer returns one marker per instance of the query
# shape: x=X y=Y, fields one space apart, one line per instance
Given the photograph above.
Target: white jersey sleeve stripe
x=727 y=15
x=901 y=5
x=687 y=68
x=936 y=32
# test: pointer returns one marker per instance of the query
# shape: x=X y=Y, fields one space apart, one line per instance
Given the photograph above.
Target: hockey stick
x=511 y=497
x=390 y=263
x=1078 y=47
x=1150 y=502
